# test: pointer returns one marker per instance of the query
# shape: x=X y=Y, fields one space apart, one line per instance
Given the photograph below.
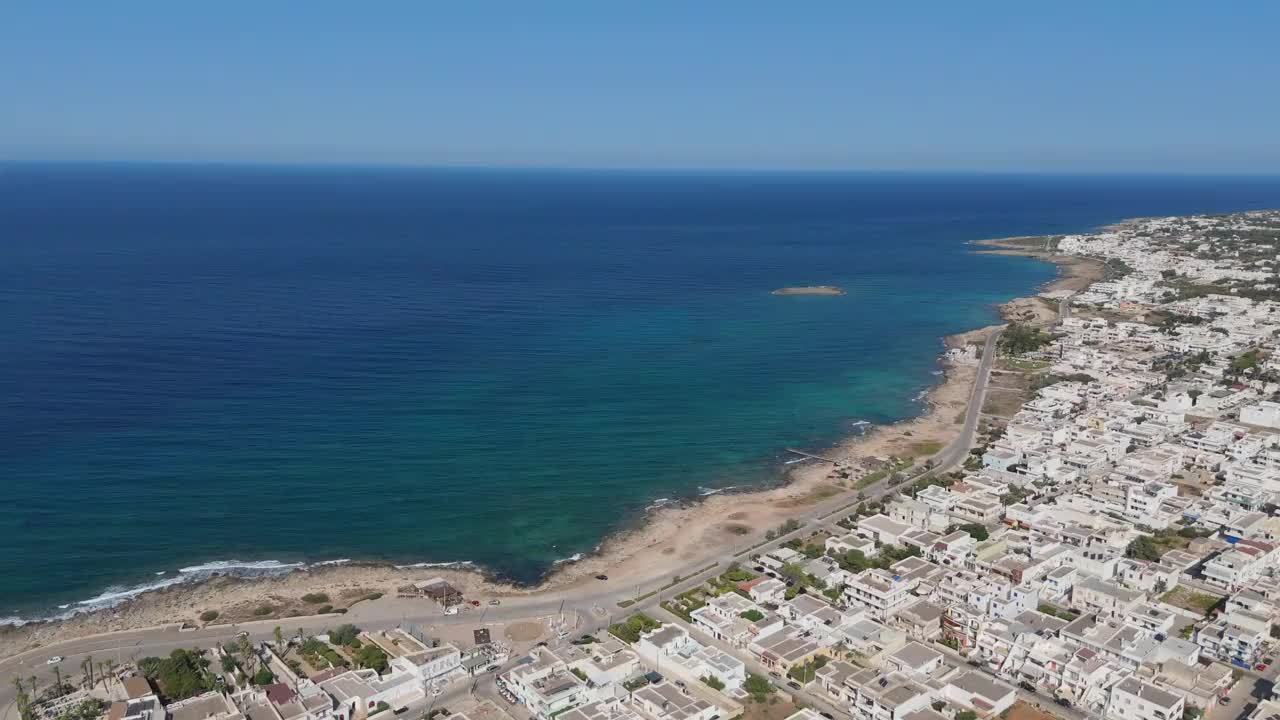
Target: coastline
x=664 y=537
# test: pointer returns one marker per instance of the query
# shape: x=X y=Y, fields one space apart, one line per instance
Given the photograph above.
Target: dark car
x=602 y=576
x=826 y=715
x=794 y=685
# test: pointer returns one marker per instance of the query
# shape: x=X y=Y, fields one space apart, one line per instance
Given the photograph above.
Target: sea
x=247 y=369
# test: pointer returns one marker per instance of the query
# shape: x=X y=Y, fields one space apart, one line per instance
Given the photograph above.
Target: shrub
x=208 y=616
x=381 y=707
x=713 y=682
x=180 y=676
x=758 y=687
x=263 y=610
x=752 y=615
x=373 y=596
x=324 y=609
x=344 y=634
x=315 y=598
x=371 y=656
x=263 y=676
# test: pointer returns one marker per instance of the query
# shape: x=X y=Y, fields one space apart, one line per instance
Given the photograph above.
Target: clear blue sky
x=1079 y=86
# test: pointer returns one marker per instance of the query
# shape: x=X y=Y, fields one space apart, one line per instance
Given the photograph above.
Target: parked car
x=794 y=685
x=602 y=576
x=475 y=603
x=495 y=602
x=53 y=660
x=1260 y=667
x=453 y=610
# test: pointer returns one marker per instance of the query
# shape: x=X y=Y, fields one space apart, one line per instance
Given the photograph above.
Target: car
x=495 y=602
x=758 y=568
x=242 y=633
x=562 y=634
x=1268 y=660
x=451 y=610
x=794 y=685
x=680 y=683
x=826 y=715
x=602 y=576
x=1260 y=667
x=53 y=660
x=774 y=673
x=475 y=603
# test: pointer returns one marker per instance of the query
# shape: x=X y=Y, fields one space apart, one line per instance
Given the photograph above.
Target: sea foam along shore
x=670 y=535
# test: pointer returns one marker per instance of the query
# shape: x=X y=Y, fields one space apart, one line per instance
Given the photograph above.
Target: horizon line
x=622 y=169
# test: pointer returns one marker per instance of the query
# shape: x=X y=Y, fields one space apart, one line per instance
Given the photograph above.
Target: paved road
x=955 y=453
x=379 y=615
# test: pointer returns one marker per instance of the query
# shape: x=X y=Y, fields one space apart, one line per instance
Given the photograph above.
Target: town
x=1108 y=548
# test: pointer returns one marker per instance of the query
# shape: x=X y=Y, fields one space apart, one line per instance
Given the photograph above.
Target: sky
x=1134 y=86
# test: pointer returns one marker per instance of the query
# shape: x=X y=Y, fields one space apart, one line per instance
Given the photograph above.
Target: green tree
x=758 y=687
x=371 y=656
x=263 y=676
x=344 y=634
x=753 y=615
x=976 y=531
x=1144 y=547
x=713 y=682
x=279 y=637
x=246 y=652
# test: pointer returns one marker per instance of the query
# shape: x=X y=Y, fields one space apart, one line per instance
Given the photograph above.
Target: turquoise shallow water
x=253 y=364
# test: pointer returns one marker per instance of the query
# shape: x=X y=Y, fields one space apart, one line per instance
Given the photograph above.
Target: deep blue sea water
x=212 y=363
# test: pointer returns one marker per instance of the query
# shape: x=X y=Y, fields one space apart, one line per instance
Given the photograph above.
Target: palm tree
x=246 y=651
x=31 y=681
x=17 y=684
x=279 y=634
x=57 y=679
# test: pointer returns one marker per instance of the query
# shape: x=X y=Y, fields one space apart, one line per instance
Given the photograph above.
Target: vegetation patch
x=1188 y=599
x=630 y=629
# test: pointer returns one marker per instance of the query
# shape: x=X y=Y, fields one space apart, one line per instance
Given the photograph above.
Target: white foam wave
x=339 y=561
x=705 y=492
x=450 y=564
x=240 y=567
x=659 y=503
x=576 y=557
x=116 y=594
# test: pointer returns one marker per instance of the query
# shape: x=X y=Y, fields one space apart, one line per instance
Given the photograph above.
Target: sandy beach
x=669 y=537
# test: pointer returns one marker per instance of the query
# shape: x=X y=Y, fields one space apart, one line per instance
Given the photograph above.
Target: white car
x=452 y=610
x=53 y=660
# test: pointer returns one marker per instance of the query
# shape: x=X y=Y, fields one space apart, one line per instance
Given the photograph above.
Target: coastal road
x=596 y=601
x=957 y=450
